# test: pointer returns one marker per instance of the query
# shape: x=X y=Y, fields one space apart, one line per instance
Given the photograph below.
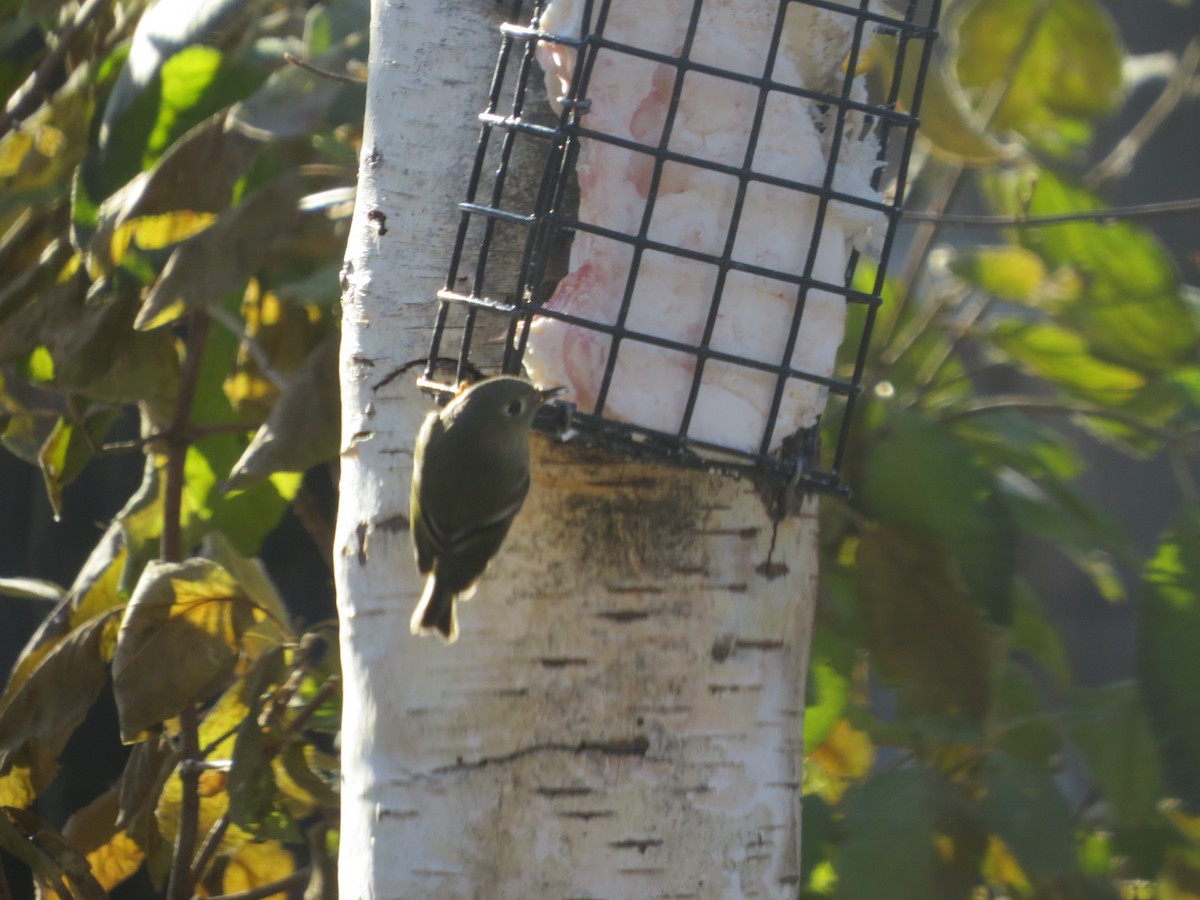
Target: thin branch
x=1112 y=214
x=1024 y=403
x=180 y=885
x=1120 y=159
x=20 y=104
x=323 y=73
x=261 y=358
x=209 y=848
x=313 y=704
x=114 y=448
x=176 y=439
x=958 y=332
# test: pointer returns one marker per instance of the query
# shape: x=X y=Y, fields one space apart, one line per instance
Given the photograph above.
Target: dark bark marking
x=641 y=845
x=562 y=662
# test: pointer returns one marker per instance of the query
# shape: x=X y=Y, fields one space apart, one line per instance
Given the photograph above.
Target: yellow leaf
x=1001 y=867
x=847 y=752
x=16 y=787
x=116 y=860
x=218 y=732
x=13 y=150
x=255 y=865
x=110 y=852
x=844 y=757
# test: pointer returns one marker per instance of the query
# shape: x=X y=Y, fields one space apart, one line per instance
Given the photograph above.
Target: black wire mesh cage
x=666 y=214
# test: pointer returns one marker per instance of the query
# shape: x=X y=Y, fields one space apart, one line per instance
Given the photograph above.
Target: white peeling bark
x=621 y=716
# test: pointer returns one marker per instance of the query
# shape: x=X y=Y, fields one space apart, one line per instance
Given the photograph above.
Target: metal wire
x=543 y=225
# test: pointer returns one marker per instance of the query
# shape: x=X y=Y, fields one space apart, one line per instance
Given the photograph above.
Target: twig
x=36 y=84
x=312 y=704
x=1120 y=159
x=180 y=885
x=323 y=73
x=209 y=848
x=192 y=434
x=261 y=359
x=1112 y=214
x=918 y=250
x=297 y=878
x=176 y=439
x=958 y=332
x=1022 y=403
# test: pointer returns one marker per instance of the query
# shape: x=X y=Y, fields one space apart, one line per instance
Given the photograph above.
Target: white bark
x=621 y=716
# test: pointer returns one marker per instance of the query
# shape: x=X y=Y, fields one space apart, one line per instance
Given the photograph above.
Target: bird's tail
x=435 y=612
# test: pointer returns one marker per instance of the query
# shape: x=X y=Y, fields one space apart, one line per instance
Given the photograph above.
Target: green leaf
x=1131 y=310
x=1059 y=63
x=221 y=258
x=97 y=354
x=1109 y=725
x=1005 y=271
x=44 y=703
x=952 y=129
x=170 y=186
x=67 y=451
x=891 y=825
x=1005 y=438
x=1018 y=722
x=921 y=626
x=246 y=517
x=1083 y=534
x=1033 y=634
x=1168 y=661
x=1025 y=809
x=149 y=766
x=294 y=102
x=178 y=642
x=189 y=87
x=1062 y=356
x=251 y=784
x=303 y=428
x=920 y=474
x=832 y=691
x=53 y=695
x=250 y=574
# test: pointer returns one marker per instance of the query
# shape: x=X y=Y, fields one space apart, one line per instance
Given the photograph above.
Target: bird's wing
x=445 y=539
x=424 y=543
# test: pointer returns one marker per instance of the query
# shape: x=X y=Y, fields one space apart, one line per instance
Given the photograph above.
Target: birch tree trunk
x=622 y=714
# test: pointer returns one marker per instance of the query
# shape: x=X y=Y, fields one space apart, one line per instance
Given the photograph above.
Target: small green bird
x=470 y=477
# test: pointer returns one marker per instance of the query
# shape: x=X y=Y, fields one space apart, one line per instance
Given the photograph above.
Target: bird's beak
x=545 y=396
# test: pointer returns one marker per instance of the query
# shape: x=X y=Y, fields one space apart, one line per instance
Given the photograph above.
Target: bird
x=470 y=477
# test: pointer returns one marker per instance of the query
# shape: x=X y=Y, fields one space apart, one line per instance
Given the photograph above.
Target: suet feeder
x=672 y=229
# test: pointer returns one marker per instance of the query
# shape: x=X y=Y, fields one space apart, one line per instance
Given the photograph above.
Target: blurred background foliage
x=173 y=213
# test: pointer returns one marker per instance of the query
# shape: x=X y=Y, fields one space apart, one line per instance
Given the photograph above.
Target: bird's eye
x=515 y=408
